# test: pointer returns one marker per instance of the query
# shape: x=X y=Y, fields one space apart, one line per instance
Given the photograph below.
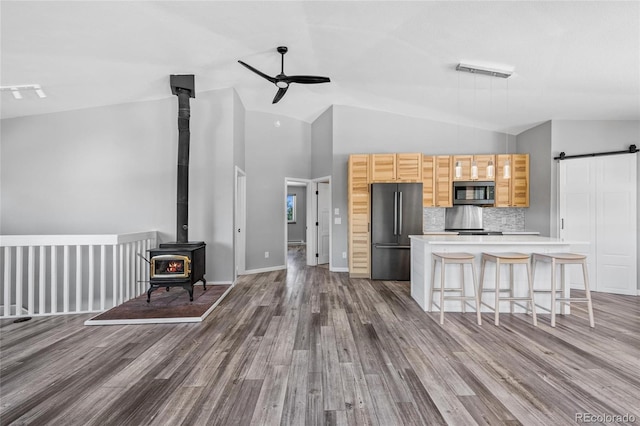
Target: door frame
x=240 y=222
x=309 y=215
x=312 y=217
x=315 y=230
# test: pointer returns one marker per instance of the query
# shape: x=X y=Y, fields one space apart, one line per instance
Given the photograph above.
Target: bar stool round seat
x=454 y=259
x=510 y=259
x=563 y=259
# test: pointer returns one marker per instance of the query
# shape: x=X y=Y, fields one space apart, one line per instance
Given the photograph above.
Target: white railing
x=69 y=274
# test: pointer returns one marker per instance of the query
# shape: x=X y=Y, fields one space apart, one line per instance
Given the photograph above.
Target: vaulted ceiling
x=571 y=60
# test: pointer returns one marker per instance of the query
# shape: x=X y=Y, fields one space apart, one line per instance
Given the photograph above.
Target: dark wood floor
x=306 y=346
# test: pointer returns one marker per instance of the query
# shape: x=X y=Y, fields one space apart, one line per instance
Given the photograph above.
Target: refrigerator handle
x=400 y=213
x=395 y=213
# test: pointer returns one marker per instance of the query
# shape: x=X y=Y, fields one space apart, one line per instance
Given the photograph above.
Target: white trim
x=74 y=240
x=261 y=270
x=325 y=179
x=339 y=269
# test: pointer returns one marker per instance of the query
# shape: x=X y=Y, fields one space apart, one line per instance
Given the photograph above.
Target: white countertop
x=503 y=233
x=490 y=239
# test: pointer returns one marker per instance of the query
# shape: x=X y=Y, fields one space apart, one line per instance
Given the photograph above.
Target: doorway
x=316 y=210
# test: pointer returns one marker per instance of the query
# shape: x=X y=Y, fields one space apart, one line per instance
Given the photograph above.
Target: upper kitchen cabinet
x=462 y=167
x=512 y=185
x=486 y=167
x=358 y=202
x=443 y=193
x=405 y=167
x=428 y=181
x=473 y=167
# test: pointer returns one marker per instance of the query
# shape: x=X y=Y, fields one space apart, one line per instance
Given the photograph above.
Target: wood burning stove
x=181 y=263
x=177 y=264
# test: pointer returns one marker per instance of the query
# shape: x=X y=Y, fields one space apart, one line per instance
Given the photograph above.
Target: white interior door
x=577 y=191
x=616 y=224
x=598 y=205
x=324 y=222
x=240 y=221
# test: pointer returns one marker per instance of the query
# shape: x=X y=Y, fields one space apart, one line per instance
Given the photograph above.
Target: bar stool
x=453 y=259
x=507 y=259
x=563 y=259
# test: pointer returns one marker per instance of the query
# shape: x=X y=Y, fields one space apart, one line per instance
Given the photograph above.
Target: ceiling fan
x=282 y=80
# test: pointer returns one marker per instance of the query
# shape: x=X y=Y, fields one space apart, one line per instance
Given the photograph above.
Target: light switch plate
x=336 y=211
x=337 y=220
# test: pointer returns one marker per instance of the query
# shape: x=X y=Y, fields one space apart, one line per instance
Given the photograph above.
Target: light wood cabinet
x=465 y=162
x=409 y=167
x=443 y=187
x=404 y=167
x=461 y=163
x=483 y=162
x=383 y=167
x=359 y=213
x=428 y=181
x=512 y=191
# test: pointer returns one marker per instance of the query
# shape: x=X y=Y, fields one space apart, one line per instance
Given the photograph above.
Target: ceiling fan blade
x=306 y=79
x=280 y=94
x=260 y=73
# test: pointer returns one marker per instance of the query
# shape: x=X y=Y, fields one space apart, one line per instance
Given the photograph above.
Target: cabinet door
x=503 y=186
x=428 y=181
x=359 y=213
x=383 y=167
x=482 y=162
x=444 y=191
x=464 y=163
x=409 y=167
x=520 y=180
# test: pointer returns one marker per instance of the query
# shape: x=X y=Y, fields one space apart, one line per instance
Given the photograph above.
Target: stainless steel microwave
x=479 y=193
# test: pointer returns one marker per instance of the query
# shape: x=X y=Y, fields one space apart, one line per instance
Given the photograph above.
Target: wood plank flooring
x=307 y=346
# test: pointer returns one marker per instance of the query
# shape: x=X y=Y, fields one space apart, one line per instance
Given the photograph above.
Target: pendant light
x=474 y=170
x=490 y=170
x=506 y=173
x=458 y=170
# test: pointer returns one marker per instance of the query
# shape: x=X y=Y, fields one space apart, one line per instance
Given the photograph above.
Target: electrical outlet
x=344 y=254
x=266 y=254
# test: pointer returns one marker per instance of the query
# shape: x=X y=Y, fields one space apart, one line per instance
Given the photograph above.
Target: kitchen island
x=423 y=245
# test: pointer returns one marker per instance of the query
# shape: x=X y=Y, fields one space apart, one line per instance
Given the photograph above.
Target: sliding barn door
x=616 y=224
x=598 y=205
x=577 y=189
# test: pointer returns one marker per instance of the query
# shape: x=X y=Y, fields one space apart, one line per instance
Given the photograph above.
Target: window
x=291 y=208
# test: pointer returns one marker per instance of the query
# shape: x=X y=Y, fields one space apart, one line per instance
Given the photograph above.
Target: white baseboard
x=260 y=270
x=339 y=269
x=219 y=283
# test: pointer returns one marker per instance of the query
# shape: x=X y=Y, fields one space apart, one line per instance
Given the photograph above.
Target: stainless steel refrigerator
x=396 y=213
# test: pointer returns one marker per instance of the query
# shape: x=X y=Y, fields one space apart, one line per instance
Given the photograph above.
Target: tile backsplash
x=493 y=219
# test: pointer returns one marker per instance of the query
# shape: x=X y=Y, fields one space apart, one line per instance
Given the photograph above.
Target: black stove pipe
x=184 y=135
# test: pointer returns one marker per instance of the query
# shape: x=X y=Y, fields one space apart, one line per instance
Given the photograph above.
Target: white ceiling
x=571 y=60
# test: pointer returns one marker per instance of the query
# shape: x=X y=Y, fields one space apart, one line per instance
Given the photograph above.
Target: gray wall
x=272 y=154
x=322 y=145
x=537 y=143
x=357 y=130
x=584 y=137
x=113 y=170
x=298 y=231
